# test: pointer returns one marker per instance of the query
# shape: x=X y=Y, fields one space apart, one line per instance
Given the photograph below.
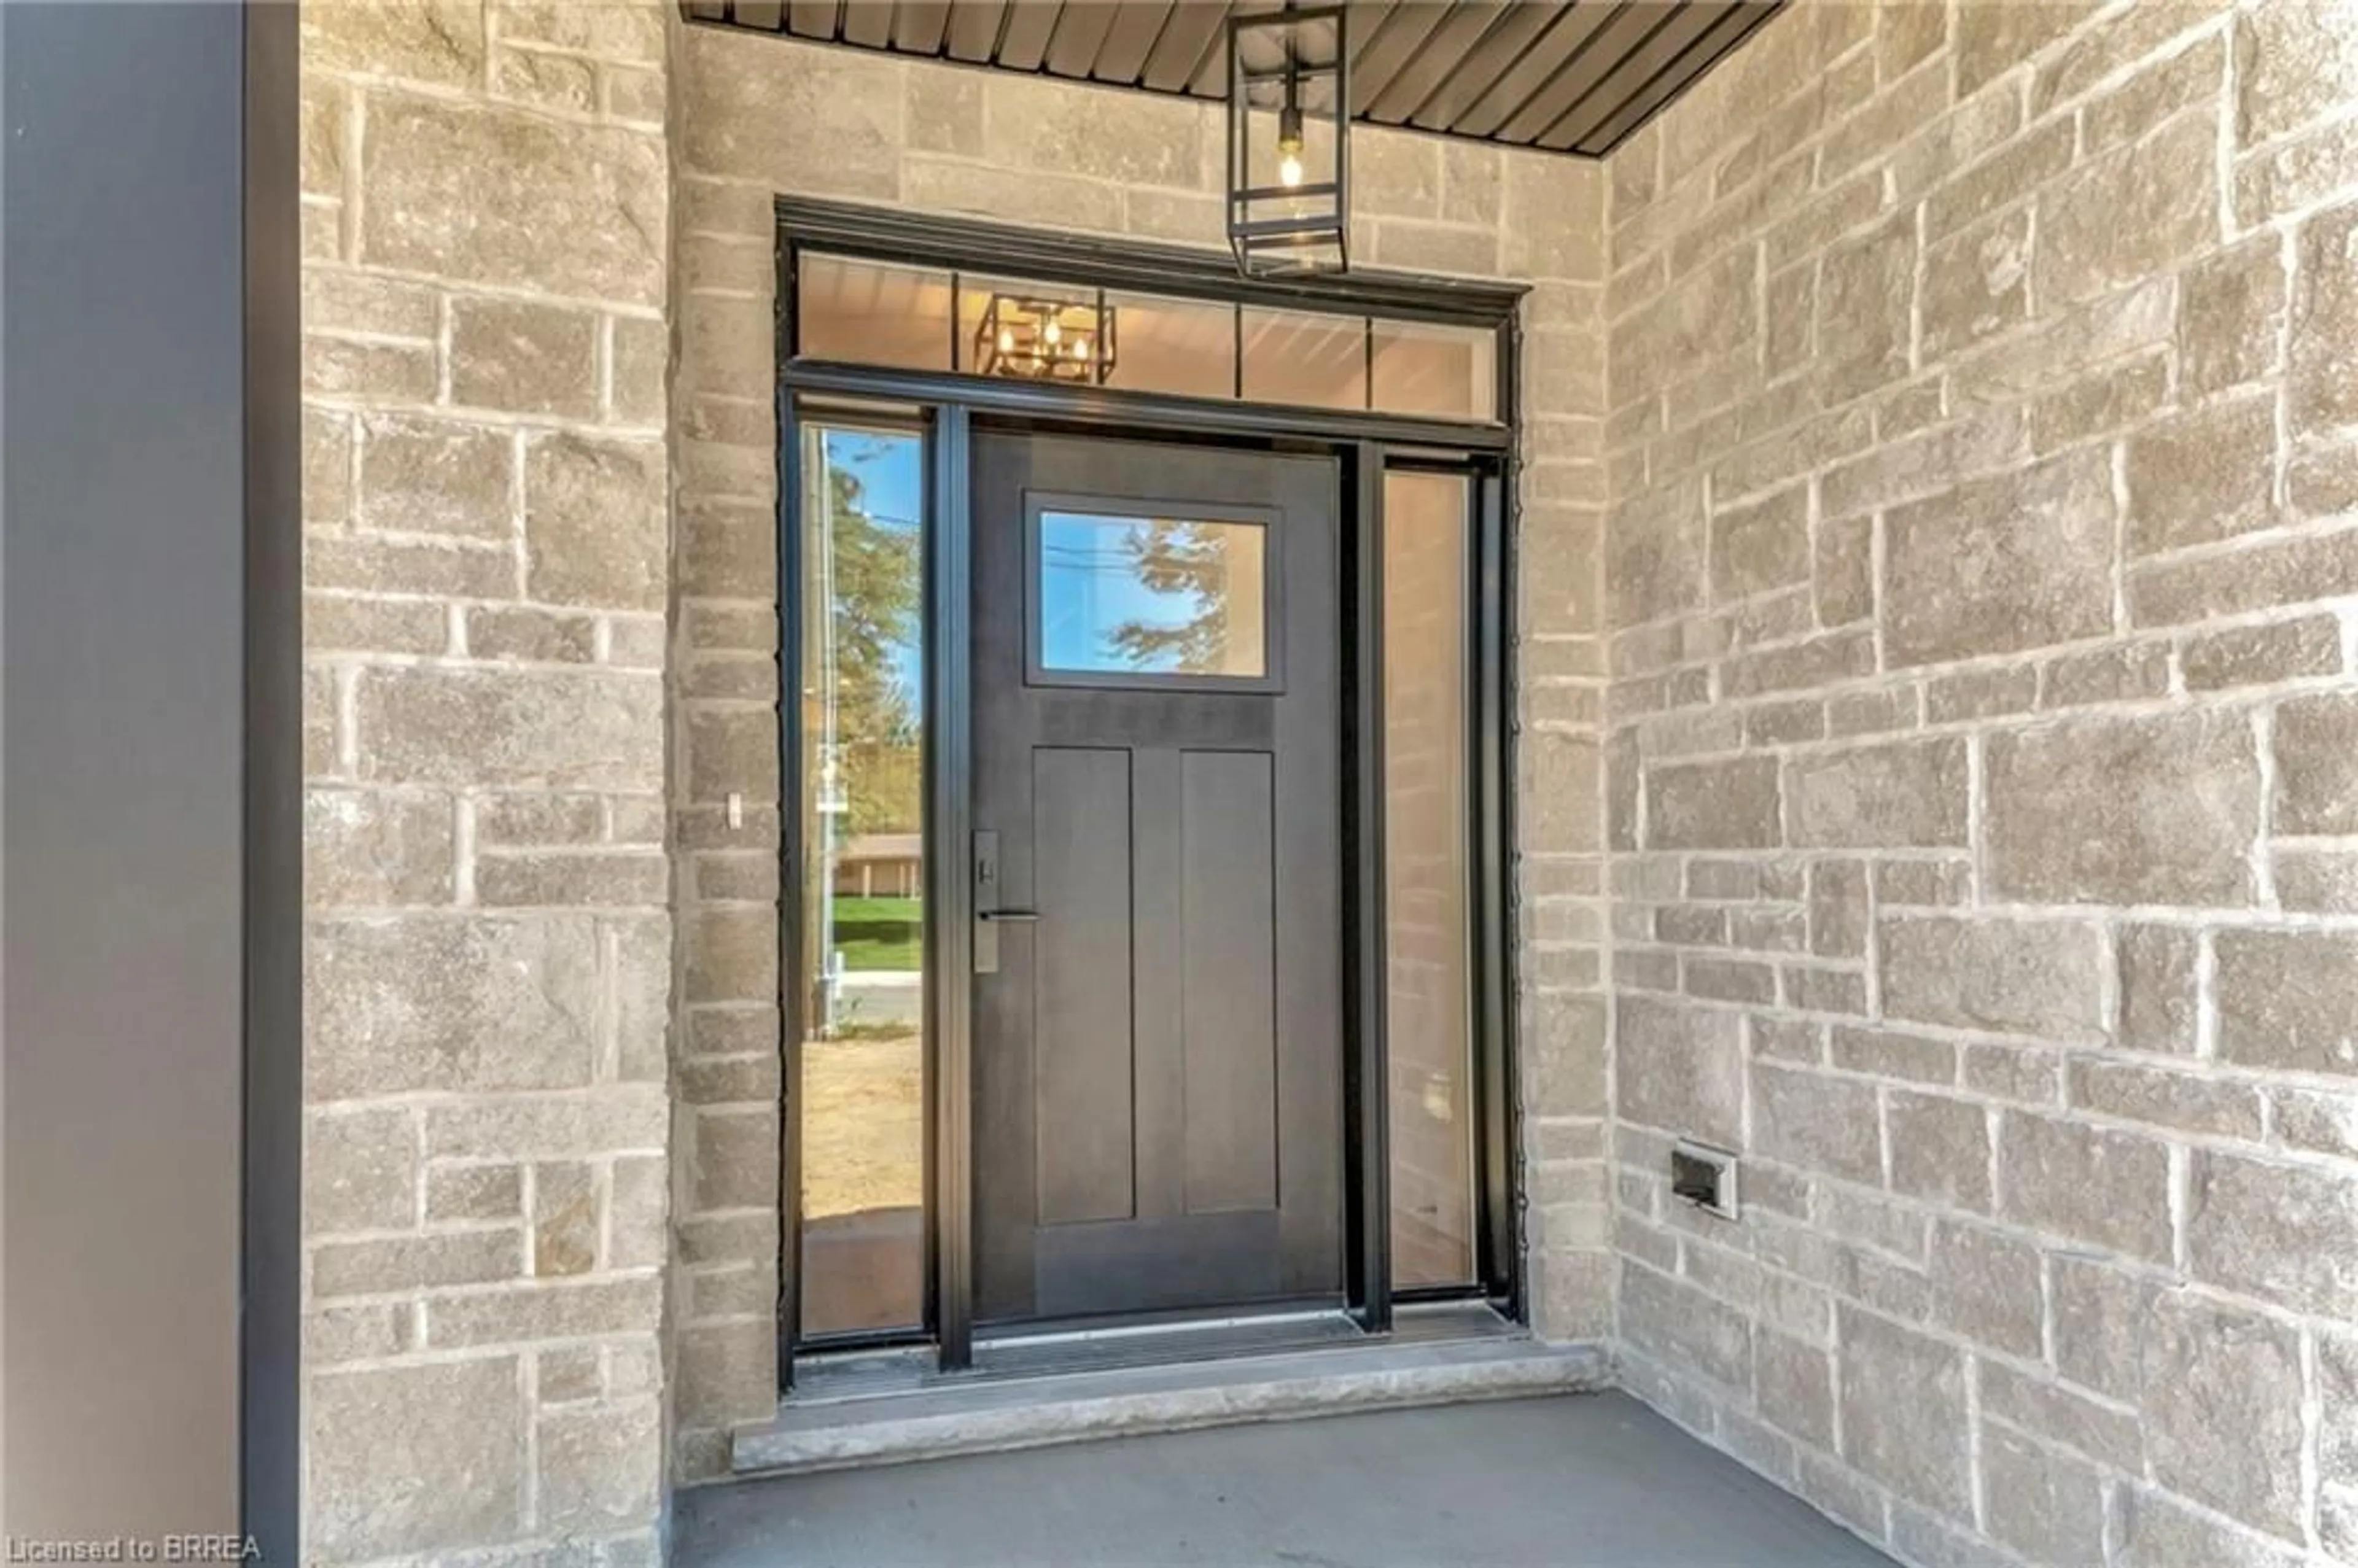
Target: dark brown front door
x=1157 y=1034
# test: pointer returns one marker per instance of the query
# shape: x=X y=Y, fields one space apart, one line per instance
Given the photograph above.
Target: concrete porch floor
x=1570 y=1481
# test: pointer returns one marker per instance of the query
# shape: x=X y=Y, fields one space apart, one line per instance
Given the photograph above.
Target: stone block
x=545 y=1310
x=2111 y=1436
x=1904 y=795
x=2044 y=1504
x=2320 y=1121
x=2294 y=64
x=564 y=1220
x=422 y=1459
x=1656 y=559
x=2119 y=674
x=2316 y=765
x=2286 y=1234
x=2101 y=402
x=1915 y=1446
x=473 y=1191
x=1888 y=1053
x=1981 y=694
x=2259 y=656
x=1940 y=1150
x=2230 y=315
x=2288 y=1000
x=2129 y=213
x=444 y=1003
x=2090 y=1185
x=727 y=1373
x=1035 y=125
x=2102 y=1316
x=1866 y=295
x=561 y=729
x=2202 y=476
x=545 y=81
x=525 y=633
x=2163 y=1098
x=1562 y=792
x=400 y=1265
x=360 y=1170
x=2221 y=1399
x=1680 y=1068
x=514 y=200
x=1817 y=1123
x=2160 y=809
x=1793 y=1383
x=1976 y=283
x=1712 y=805
x=437 y=476
x=1679 y=1325
x=637 y=1233
x=736 y=1159
x=524 y=357
x=2156 y=967
x=365 y=848
x=2017 y=561
x=600 y=1469
x=625 y=30
x=1841 y=922
x=2261 y=577
x=436 y=41
x=597 y=522
x=1985 y=1288
x=1760 y=545
x=1566 y=1057
x=2017 y=977
x=640 y=359
x=2324 y=381
x=2160 y=1530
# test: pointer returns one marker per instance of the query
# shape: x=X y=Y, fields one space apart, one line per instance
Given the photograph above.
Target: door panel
x=1157 y=1051
x=1227 y=935
x=1081 y=960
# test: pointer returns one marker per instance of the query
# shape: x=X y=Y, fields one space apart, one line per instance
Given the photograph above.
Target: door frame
x=948 y=407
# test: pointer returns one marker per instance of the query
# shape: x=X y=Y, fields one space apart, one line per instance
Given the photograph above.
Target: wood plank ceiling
x=1575 y=76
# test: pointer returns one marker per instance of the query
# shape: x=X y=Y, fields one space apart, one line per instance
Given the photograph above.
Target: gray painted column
x=150 y=872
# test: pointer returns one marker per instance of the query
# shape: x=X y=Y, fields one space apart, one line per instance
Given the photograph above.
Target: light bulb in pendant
x=1055 y=332
x=1081 y=347
x=1289 y=147
x=1006 y=339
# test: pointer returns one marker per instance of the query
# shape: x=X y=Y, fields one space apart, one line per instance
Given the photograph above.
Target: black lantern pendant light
x=1289 y=133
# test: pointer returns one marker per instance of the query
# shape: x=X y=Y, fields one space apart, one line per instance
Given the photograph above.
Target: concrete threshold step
x=948 y=1419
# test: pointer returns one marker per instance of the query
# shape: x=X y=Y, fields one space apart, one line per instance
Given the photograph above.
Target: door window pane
x=1152 y=596
x=860 y=1098
x=1429 y=1003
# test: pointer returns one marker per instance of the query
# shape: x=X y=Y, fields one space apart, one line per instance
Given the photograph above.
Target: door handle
x=1014 y=916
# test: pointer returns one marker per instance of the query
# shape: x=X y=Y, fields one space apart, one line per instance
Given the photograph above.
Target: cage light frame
x=1025 y=317
x=1293 y=244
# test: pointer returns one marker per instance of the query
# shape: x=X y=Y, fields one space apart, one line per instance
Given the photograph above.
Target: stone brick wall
x=1984 y=772
x=763 y=117
x=486 y=214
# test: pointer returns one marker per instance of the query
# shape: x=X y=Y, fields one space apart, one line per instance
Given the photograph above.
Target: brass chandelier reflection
x=1035 y=339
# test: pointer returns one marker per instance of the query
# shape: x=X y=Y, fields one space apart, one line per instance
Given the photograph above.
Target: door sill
x=893 y=1412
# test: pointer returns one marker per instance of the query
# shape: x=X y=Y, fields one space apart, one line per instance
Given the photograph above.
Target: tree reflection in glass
x=861 y=1096
x=1152 y=595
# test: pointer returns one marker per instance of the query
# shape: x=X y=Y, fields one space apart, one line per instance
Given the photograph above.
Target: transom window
x=854 y=310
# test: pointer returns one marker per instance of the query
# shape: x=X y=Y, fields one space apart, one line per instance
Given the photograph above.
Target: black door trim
x=1366 y=443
